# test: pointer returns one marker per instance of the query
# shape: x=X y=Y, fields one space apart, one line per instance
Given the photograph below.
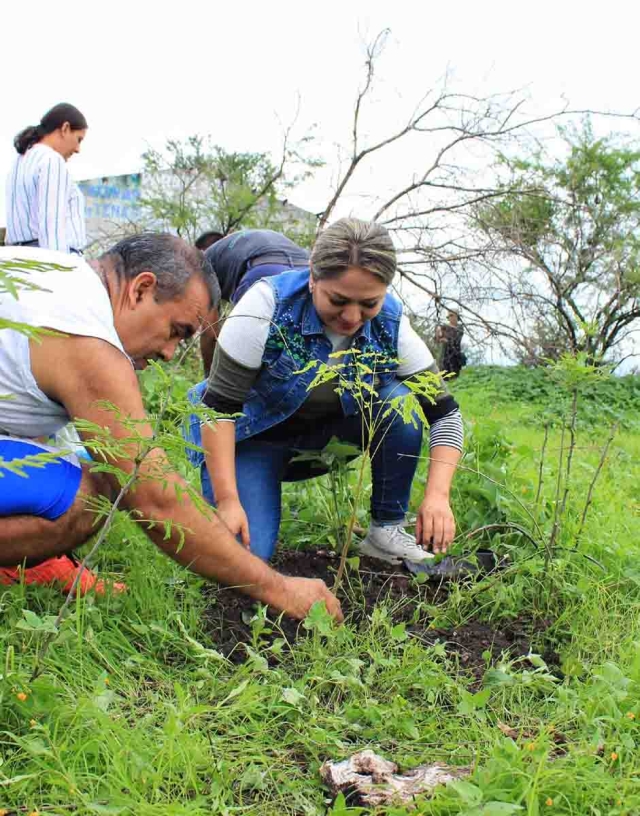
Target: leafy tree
x=566 y=252
x=193 y=186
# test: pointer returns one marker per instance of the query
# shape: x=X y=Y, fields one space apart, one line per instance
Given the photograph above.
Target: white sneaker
x=392 y=544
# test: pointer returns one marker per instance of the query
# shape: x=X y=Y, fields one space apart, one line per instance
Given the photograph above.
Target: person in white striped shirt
x=45 y=207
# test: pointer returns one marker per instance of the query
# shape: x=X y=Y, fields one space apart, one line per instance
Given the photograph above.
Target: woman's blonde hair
x=352 y=242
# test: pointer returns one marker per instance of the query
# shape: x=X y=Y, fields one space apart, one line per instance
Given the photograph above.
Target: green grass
x=136 y=712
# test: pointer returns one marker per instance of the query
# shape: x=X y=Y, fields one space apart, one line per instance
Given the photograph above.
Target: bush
x=609 y=400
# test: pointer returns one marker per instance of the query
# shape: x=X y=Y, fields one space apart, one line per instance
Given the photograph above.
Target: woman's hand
x=435 y=525
x=231 y=512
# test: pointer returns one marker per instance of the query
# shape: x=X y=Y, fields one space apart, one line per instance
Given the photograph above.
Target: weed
x=136 y=712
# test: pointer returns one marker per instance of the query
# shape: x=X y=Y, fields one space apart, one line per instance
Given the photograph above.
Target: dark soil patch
x=228 y=617
x=472 y=641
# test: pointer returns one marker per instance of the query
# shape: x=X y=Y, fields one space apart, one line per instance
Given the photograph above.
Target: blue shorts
x=46 y=491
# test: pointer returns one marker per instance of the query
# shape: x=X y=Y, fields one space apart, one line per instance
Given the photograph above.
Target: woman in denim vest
x=265 y=363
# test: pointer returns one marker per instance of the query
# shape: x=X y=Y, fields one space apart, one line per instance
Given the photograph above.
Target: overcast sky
x=143 y=72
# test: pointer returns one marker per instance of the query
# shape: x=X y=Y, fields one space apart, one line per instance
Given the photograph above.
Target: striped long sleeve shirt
x=44 y=204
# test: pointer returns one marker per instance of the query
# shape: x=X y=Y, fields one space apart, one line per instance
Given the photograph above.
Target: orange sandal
x=61 y=570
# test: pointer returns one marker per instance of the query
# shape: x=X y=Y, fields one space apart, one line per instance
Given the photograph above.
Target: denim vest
x=296 y=340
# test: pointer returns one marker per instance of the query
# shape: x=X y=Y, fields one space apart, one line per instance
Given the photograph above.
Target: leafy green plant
x=481 y=494
x=137 y=712
x=337 y=460
x=353 y=372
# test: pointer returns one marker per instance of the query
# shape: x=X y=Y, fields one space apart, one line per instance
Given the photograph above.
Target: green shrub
x=608 y=400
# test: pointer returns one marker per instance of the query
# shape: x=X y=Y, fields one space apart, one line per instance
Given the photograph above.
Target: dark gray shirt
x=233 y=255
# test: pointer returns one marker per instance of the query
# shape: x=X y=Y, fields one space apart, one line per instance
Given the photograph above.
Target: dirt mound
x=229 y=614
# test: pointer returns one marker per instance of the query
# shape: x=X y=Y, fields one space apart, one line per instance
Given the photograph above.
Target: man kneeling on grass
x=136 y=302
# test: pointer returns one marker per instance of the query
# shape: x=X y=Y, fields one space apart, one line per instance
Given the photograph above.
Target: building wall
x=112 y=208
x=112 y=204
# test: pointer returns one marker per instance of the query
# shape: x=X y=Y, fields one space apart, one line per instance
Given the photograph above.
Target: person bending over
x=136 y=302
x=261 y=370
x=241 y=259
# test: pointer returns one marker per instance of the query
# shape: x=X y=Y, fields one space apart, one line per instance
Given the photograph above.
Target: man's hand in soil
x=231 y=512
x=301 y=593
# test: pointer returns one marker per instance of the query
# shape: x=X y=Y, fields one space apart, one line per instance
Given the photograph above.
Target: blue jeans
x=262 y=466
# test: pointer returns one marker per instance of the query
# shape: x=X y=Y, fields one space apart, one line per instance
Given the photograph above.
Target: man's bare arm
x=81 y=373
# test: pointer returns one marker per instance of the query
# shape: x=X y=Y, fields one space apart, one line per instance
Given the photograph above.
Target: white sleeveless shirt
x=72 y=300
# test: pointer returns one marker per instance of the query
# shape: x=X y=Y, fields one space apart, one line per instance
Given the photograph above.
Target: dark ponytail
x=27 y=137
x=52 y=120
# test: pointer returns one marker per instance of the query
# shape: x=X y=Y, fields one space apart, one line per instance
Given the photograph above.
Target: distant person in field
x=450 y=337
x=338 y=302
x=136 y=302
x=45 y=207
x=239 y=260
